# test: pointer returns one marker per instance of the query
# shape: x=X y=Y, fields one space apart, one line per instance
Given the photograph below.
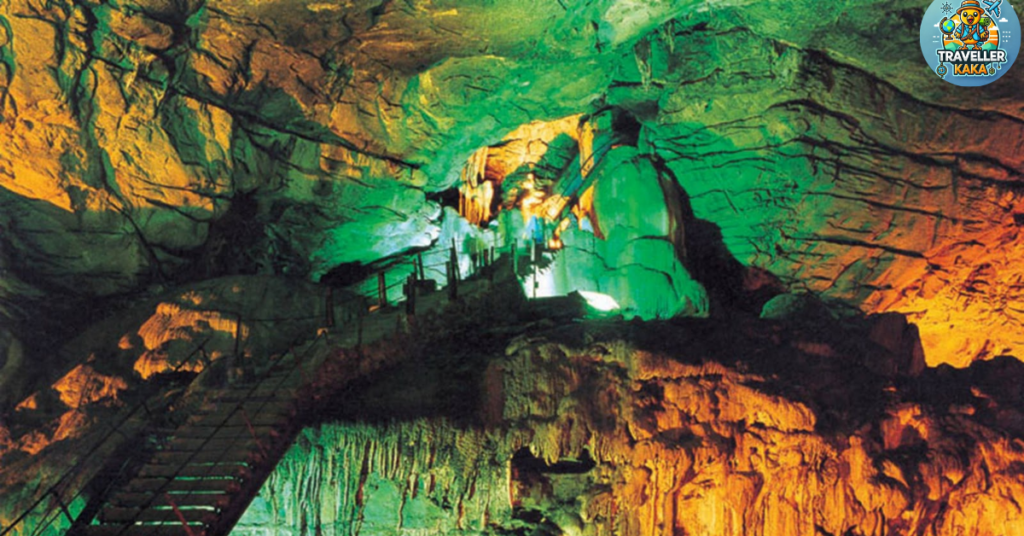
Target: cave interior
x=507 y=268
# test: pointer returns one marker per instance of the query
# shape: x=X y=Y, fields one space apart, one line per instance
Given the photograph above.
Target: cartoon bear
x=970 y=31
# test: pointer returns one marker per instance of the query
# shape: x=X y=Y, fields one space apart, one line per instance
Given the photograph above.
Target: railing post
x=233 y=360
x=382 y=290
x=533 y=264
x=455 y=262
x=63 y=507
x=454 y=275
x=410 y=295
x=181 y=517
x=490 y=264
x=252 y=431
x=515 y=258
x=453 y=281
x=238 y=332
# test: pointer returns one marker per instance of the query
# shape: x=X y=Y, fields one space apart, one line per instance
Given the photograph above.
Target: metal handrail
x=238 y=406
x=54 y=489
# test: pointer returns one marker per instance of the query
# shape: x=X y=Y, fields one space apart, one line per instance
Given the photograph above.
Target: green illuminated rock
x=151 y=144
x=155 y=142
x=423 y=477
x=639 y=259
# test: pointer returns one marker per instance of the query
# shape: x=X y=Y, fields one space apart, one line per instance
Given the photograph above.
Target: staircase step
x=247 y=452
x=184 y=444
x=276 y=397
x=234 y=469
x=239 y=419
x=262 y=432
x=277 y=389
x=226 y=432
x=159 y=484
x=271 y=406
x=141 y=530
x=114 y=514
x=138 y=500
x=265 y=397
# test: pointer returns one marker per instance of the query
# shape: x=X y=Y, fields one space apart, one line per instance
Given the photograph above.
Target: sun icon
x=946 y=8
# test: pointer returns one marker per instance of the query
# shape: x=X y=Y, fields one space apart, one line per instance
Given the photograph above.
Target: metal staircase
x=203 y=476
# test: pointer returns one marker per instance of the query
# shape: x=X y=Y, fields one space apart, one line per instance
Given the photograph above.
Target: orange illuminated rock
x=703 y=428
x=693 y=446
x=171 y=141
x=970 y=285
x=83 y=385
x=171 y=324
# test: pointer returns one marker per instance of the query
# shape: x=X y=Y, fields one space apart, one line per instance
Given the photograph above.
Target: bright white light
x=601 y=302
x=541 y=284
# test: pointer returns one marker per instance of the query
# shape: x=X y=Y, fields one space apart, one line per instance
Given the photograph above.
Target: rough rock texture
x=152 y=144
x=149 y=141
x=424 y=477
x=629 y=252
x=185 y=330
x=698 y=428
x=798 y=423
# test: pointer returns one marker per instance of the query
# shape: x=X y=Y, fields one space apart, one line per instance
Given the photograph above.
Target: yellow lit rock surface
x=83 y=385
x=163 y=142
x=171 y=322
x=696 y=447
x=692 y=428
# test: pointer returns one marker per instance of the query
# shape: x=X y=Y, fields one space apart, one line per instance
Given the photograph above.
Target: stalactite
x=667 y=34
x=642 y=54
x=677 y=442
x=476 y=194
x=319 y=480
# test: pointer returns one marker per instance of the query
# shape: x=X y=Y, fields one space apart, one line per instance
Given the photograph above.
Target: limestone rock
x=133 y=132
x=671 y=429
x=194 y=146
x=183 y=330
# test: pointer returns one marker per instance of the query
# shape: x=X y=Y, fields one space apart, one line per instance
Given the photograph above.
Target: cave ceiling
x=160 y=142
x=819 y=237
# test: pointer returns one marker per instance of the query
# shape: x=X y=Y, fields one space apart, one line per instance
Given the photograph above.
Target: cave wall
x=420 y=477
x=154 y=142
x=595 y=429
x=150 y=146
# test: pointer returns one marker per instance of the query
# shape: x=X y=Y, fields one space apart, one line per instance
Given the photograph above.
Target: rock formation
x=188 y=140
x=699 y=428
x=193 y=182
